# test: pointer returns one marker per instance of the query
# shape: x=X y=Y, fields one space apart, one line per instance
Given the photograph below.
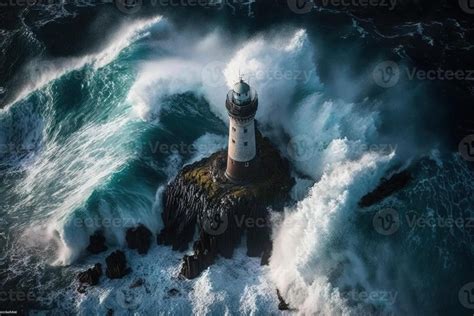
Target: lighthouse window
x=233 y=141
x=246 y=143
x=245 y=130
x=233 y=129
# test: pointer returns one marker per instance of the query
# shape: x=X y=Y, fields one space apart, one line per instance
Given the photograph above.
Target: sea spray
x=301 y=262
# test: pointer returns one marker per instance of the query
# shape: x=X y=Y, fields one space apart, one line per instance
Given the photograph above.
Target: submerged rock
x=386 y=188
x=116 y=265
x=89 y=277
x=139 y=238
x=97 y=243
x=202 y=197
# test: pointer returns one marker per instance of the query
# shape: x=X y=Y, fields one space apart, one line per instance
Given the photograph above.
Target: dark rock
x=201 y=196
x=283 y=306
x=110 y=312
x=139 y=238
x=138 y=282
x=267 y=253
x=204 y=255
x=97 y=243
x=89 y=277
x=173 y=292
x=116 y=265
x=386 y=188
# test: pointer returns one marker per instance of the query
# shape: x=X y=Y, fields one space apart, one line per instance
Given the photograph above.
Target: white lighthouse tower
x=241 y=104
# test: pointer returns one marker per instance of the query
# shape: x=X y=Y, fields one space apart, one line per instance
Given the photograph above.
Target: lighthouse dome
x=241 y=92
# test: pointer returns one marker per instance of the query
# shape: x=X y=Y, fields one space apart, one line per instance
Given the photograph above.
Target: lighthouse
x=241 y=104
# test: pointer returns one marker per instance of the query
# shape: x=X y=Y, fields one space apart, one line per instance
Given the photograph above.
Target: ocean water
x=82 y=147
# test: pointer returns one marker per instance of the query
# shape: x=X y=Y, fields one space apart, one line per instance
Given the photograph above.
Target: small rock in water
x=90 y=277
x=116 y=265
x=283 y=306
x=386 y=188
x=139 y=282
x=139 y=238
x=97 y=243
x=173 y=292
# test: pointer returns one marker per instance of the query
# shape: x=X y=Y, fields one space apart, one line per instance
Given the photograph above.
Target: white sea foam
x=251 y=292
x=157 y=80
x=301 y=263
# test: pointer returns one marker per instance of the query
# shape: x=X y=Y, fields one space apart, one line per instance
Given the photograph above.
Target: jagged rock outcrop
x=139 y=238
x=89 y=277
x=204 y=255
x=282 y=305
x=116 y=265
x=97 y=243
x=386 y=188
x=202 y=197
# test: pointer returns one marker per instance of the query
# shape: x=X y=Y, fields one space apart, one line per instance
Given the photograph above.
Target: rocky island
x=202 y=198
